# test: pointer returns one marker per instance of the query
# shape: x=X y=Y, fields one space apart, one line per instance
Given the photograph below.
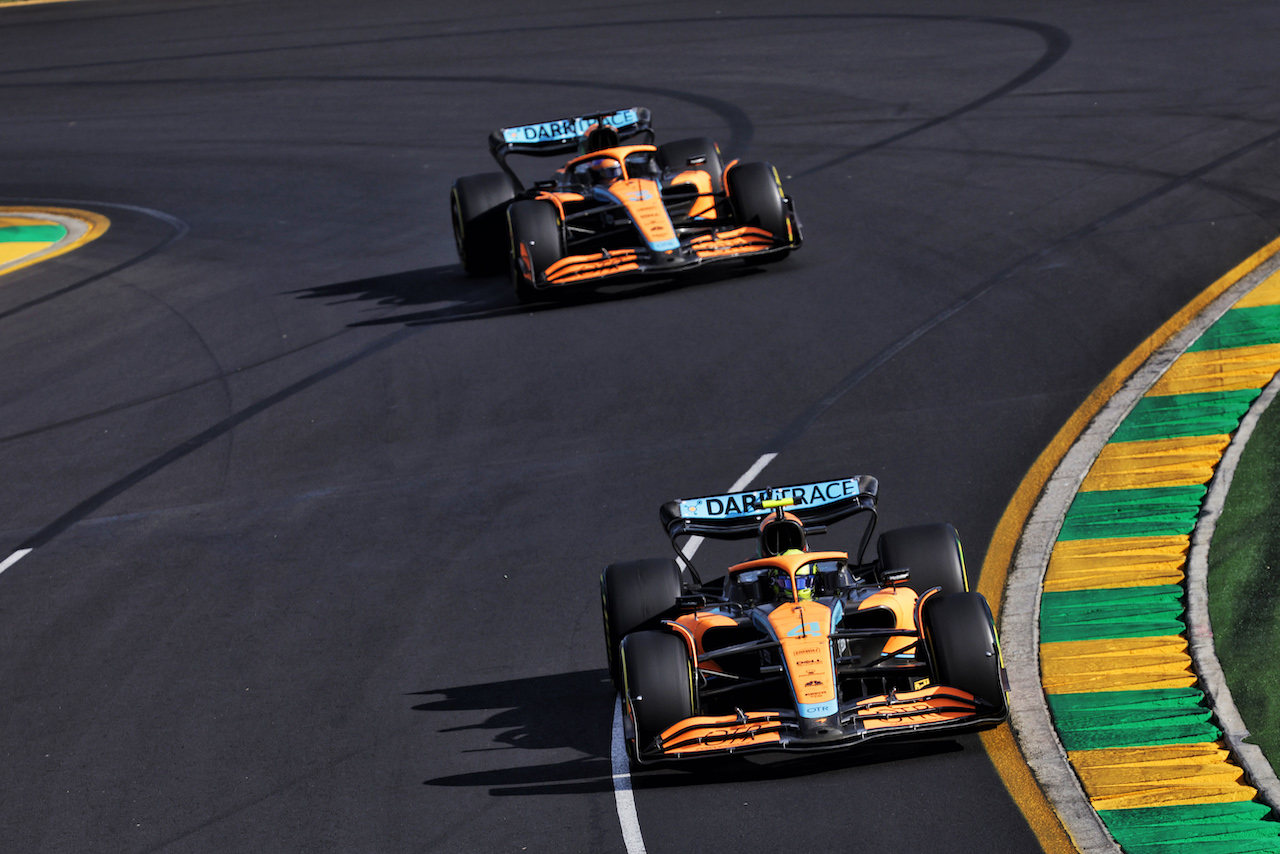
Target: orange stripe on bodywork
x=695 y=625
x=722 y=732
x=558 y=199
x=912 y=708
x=739 y=241
x=643 y=200
x=705 y=206
x=724 y=176
x=577 y=267
x=901 y=602
x=804 y=630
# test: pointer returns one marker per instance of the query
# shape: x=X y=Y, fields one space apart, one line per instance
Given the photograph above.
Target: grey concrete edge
x=76 y=229
x=1257 y=769
x=1020 y=612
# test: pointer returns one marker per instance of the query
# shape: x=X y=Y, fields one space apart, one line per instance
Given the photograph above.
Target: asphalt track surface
x=317 y=520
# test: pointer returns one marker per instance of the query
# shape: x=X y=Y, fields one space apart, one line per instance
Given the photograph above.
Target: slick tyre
x=536 y=242
x=633 y=595
x=698 y=153
x=965 y=651
x=931 y=552
x=659 y=683
x=476 y=205
x=755 y=192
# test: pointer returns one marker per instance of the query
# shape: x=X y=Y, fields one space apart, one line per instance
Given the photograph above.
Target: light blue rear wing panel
x=564 y=130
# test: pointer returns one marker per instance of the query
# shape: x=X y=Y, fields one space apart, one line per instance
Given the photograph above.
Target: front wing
x=711 y=246
x=932 y=711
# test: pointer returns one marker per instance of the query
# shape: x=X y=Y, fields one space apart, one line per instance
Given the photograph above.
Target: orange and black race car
x=620 y=207
x=799 y=649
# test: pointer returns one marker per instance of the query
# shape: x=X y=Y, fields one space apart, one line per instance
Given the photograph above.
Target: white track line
x=623 y=796
x=14 y=558
x=751 y=473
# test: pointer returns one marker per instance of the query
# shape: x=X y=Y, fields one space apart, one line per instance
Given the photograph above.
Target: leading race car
x=616 y=210
x=799 y=649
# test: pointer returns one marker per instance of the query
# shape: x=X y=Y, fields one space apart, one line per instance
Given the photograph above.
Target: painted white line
x=738 y=485
x=751 y=473
x=14 y=558
x=623 y=796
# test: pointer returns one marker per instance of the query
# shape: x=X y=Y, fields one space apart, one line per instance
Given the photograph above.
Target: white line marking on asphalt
x=751 y=473
x=14 y=558
x=622 y=793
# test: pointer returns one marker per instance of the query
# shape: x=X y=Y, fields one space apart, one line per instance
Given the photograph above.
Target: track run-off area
x=302 y=527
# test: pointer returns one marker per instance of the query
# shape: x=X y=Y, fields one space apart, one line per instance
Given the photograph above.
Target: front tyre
x=965 y=651
x=536 y=238
x=755 y=192
x=658 y=684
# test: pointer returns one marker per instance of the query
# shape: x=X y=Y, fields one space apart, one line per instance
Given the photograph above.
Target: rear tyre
x=931 y=552
x=659 y=683
x=536 y=240
x=698 y=153
x=965 y=652
x=756 y=195
x=476 y=204
x=633 y=594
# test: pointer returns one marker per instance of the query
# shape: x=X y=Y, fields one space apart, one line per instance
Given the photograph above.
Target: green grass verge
x=1244 y=585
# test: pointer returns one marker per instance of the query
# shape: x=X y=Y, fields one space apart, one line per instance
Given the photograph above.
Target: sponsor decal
x=819 y=710
x=563 y=130
x=732 y=735
x=741 y=504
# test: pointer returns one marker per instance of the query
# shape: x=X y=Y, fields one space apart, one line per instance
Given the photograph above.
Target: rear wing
x=737 y=515
x=561 y=136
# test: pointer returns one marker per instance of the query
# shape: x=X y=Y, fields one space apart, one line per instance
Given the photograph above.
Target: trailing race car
x=616 y=211
x=797 y=649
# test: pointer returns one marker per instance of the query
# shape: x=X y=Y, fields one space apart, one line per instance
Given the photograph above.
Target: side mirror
x=894 y=576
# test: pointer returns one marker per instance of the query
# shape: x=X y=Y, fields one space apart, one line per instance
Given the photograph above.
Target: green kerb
x=1235 y=827
x=1242 y=327
x=1126 y=612
x=1178 y=415
x=32 y=233
x=1153 y=512
x=1104 y=719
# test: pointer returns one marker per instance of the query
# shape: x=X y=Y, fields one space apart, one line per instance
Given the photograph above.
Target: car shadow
x=564 y=710
x=575 y=711
x=445 y=294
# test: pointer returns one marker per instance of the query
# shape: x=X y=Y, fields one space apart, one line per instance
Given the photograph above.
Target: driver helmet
x=604 y=170
x=805 y=582
x=780 y=534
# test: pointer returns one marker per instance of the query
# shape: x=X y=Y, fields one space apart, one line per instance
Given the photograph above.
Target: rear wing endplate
x=737 y=515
